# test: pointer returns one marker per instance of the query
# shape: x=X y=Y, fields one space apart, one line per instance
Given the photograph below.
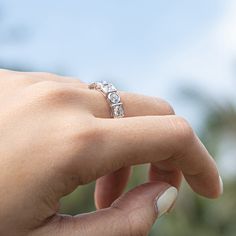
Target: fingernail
x=166 y=200
x=221 y=186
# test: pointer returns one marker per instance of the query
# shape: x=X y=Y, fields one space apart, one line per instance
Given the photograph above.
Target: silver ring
x=111 y=95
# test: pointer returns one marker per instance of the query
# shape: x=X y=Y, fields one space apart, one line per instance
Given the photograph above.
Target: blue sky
x=129 y=41
x=149 y=46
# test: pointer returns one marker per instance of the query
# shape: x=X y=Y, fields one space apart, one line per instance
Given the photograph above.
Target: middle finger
x=110 y=187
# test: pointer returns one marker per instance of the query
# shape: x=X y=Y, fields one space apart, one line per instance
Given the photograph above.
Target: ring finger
x=110 y=187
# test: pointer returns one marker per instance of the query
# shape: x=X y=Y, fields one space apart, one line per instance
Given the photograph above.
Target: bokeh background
x=183 y=51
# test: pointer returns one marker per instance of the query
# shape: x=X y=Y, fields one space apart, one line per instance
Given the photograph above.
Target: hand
x=55 y=137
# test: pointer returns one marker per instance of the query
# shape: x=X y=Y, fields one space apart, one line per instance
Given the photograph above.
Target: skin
x=56 y=135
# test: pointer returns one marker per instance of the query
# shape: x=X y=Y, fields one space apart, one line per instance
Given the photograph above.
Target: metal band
x=112 y=96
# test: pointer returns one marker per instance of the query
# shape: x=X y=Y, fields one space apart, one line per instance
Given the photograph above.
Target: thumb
x=132 y=214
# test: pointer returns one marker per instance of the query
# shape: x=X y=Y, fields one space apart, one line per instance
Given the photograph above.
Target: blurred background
x=183 y=51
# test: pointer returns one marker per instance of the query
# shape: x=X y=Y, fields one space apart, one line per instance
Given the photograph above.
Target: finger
x=134 y=105
x=152 y=139
x=132 y=214
x=166 y=173
x=125 y=142
x=110 y=187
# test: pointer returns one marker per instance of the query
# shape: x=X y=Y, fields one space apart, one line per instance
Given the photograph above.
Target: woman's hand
x=54 y=136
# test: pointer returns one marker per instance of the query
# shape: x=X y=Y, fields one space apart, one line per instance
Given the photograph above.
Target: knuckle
x=53 y=92
x=46 y=75
x=46 y=85
x=184 y=131
x=23 y=79
x=18 y=78
x=55 y=77
x=167 y=109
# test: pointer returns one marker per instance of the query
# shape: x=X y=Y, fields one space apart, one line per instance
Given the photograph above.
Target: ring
x=112 y=96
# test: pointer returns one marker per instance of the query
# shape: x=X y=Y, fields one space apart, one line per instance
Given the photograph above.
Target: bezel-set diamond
x=112 y=96
x=118 y=110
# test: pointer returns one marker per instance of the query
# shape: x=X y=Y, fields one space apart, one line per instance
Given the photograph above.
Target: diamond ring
x=112 y=96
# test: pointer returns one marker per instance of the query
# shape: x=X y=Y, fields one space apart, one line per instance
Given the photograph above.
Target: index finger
x=151 y=139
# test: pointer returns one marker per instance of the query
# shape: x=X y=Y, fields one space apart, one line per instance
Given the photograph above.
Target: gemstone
x=118 y=111
x=107 y=88
x=104 y=82
x=114 y=97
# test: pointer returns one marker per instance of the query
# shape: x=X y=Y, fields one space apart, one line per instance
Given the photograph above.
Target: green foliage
x=193 y=214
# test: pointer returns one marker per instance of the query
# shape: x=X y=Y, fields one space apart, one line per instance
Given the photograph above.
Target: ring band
x=112 y=96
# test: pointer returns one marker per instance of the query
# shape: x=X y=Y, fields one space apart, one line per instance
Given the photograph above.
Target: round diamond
x=118 y=111
x=114 y=97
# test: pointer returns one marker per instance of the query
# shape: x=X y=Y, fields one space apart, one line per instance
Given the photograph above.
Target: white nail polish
x=221 y=186
x=166 y=200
